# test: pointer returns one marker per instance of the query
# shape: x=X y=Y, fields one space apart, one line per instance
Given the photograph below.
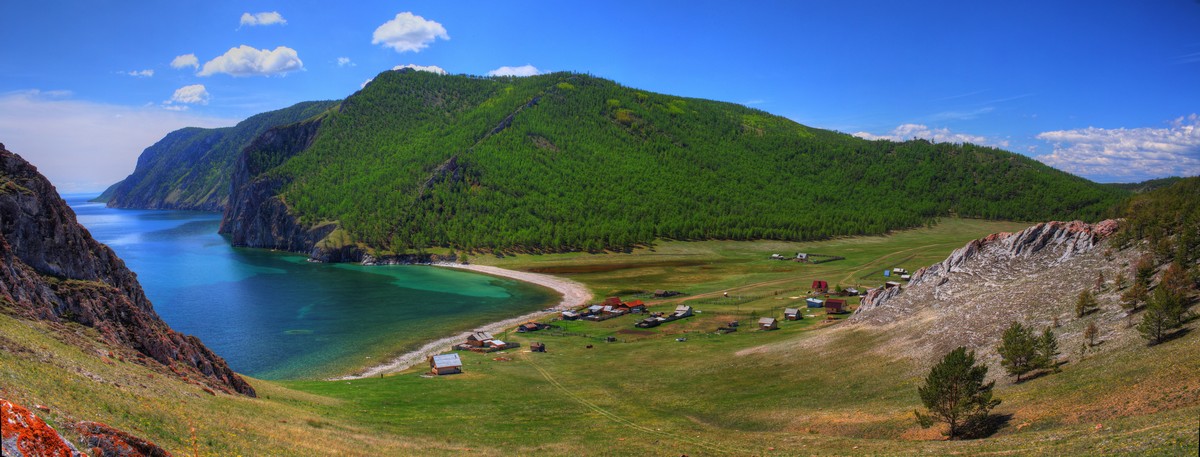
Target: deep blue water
x=274 y=315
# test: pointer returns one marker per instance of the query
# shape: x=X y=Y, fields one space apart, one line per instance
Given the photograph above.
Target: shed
x=852 y=290
x=820 y=286
x=497 y=344
x=906 y=277
x=682 y=311
x=570 y=315
x=612 y=301
x=445 y=364
x=529 y=327
x=890 y=284
x=537 y=346
x=814 y=302
x=479 y=338
x=835 y=306
x=792 y=314
x=801 y=256
x=594 y=309
x=768 y=323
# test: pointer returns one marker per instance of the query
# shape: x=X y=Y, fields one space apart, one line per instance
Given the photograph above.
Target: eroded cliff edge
x=52 y=269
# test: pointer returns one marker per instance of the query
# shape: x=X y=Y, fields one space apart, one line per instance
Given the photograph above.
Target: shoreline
x=573 y=294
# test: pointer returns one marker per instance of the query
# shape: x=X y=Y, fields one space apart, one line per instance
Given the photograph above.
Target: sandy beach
x=573 y=294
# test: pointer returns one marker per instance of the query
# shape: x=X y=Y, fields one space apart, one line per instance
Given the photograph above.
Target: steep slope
x=51 y=269
x=567 y=161
x=190 y=167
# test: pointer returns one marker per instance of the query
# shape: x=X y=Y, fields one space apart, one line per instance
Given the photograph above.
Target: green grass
x=807 y=388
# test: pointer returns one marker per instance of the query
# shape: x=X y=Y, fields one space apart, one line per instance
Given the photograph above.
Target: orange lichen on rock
x=26 y=435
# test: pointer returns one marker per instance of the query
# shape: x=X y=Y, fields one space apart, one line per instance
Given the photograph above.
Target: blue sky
x=1104 y=89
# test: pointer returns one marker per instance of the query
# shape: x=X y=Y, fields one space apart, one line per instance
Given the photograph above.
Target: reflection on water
x=274 y=315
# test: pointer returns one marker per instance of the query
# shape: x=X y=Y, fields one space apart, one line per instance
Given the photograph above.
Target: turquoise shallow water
x=274 y=315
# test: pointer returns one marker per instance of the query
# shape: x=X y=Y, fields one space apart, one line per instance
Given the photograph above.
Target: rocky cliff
x=1032 y=276
x=51 y=269
x=190 y=168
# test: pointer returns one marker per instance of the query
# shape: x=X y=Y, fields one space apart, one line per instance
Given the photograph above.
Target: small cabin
x=529 y=327
x=497 y=344
x=906 y=277
x=820 y=286
x=768 y=323
x=890 y=284
x=570 y=315
x=636 y=306
x=851 y=291
x=682 y=311
x=537 y=346
x=835 y=306
x=792 y=314
x=445 y=364
x=594 y=309
x=612 y=301
x=479 y=339
x=814 y=302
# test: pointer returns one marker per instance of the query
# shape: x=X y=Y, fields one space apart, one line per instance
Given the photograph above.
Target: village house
x=479 y=339
x=815 y=302
x=570 y=315
x=530 y=327
x=768 y=323
x=835 y=306
x=792 y=314
x=445 y=364
x=682 y=311
x=820 y=286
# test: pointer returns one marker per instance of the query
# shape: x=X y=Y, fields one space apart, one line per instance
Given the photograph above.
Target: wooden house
x=612 y=301
x=768 y=323
x=445 y=364
x=530 y=327
x=792 y=314
x=814 y=302
x=682 y=311
x=636 y=306
x=537 y=346
x=835 y=306
x=820 y=286
x=570 y=315
x=479 y=339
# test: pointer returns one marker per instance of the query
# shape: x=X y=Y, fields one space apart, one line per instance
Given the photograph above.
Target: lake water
x=274 y=315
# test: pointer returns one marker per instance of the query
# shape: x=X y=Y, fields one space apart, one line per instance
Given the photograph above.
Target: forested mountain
x=190 y=167
x=568 y=161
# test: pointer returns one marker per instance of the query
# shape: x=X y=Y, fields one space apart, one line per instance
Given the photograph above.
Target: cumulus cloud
x=344 y=61
x=247 y=61
x=1127 y=154
x=429 y=68
x=186 y=60
x=906 y=132
x=263 y=18
x=524 y=70
x=84 y=146
x=193 y=94
x=408 y=32
x=140 y=73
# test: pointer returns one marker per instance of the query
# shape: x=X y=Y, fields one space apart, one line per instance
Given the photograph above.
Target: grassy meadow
x=809 y=388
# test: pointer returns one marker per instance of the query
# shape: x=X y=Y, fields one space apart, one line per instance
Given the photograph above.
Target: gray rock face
x=53 y=270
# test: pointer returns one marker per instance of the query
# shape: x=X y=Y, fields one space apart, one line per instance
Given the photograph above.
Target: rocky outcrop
x=1033 y=276
x=53 y=270
x=26 y=435
x=191 y=168
x=258 y=217
x=105 y=441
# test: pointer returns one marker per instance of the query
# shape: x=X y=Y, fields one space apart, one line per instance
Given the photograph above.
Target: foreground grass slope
x=809 y=388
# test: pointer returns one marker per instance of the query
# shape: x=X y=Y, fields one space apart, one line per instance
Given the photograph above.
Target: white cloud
x=408 y=32
x=1127 y=154
x=524 y=70
x=193 y=94
x=906 y=132
x=263 y=18
x=83 y=146
x=140 y=73
x=344 y=61
x=247 y=61
x=186 y=60
x=427 y=68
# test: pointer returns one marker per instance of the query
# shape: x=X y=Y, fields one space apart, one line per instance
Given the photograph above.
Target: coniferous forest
x=568 y=161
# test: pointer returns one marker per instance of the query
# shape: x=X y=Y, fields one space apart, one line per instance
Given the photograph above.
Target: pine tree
x=1165 y=311
x=1085 y=304
x=1018 y=350
x=954 y=393
x=1047 y=350
x=1090 y=333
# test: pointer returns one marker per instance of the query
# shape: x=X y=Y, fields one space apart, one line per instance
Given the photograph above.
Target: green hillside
x=567 y=161
x=190 y=167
